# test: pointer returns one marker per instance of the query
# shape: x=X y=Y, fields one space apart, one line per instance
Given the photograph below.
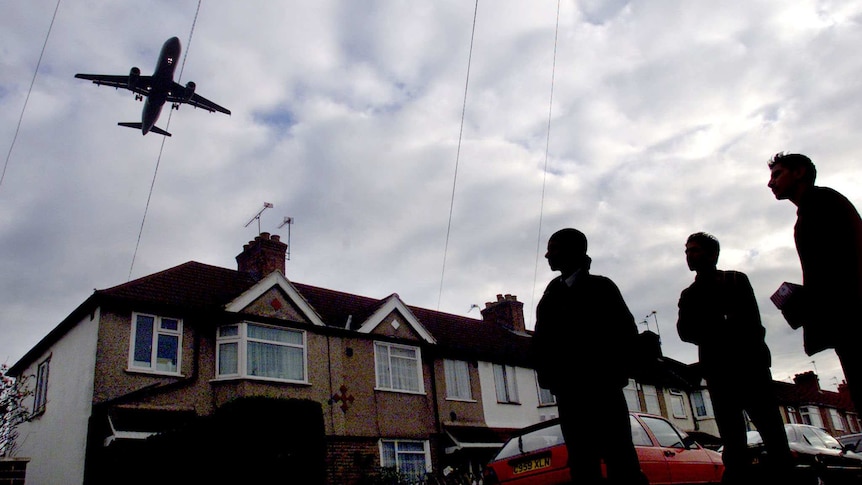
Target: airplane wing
x=179 y=94
x=142 y=84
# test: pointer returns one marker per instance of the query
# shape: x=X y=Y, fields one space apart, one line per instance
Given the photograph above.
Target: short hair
x=794 y=161
x=572 y=239
x=706 y=240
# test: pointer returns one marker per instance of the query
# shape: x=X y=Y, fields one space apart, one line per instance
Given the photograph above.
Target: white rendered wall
x=56 y=441
x=527 y=412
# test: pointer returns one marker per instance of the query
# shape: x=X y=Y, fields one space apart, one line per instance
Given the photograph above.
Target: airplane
x=158 y=88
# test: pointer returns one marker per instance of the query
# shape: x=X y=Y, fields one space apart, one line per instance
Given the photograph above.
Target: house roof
x=197 y=287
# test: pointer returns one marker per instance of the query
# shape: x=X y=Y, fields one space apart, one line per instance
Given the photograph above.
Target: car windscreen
x=534 y=440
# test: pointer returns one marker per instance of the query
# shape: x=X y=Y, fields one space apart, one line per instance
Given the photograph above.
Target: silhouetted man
x=828 y=234
x=582 y=349
x=719 y=314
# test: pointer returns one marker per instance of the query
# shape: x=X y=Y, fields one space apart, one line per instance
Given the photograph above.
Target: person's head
x=701 y=251
x=790 y=174
x=567 y=251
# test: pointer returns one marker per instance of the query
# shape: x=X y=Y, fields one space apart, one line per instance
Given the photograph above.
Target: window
x=677 y=404
x=811 y=415
x=631 y=394
x=651 y=399
x=40 y=397
x=792 y=415
x=408 y=457
x=837 y=422
x=156 y=343
x=546 y=397
x=457 y=379
x=504 y=381
x=853 y=421
x=702 y=404
x=639 y=434
x=664 y=432
x=397 y=368
x=252 y=350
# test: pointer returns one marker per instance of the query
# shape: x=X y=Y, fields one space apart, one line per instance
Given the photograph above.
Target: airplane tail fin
x=139 y=126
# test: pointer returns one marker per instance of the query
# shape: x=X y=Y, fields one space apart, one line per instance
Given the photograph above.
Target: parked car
x=820 y=458
x=537 y=455
x=851 y=441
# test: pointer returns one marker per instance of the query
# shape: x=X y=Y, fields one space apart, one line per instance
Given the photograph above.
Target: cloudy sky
x=424 y=148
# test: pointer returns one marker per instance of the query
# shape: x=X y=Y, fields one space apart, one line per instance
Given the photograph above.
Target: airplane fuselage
x=163 y=79
x=159 y=89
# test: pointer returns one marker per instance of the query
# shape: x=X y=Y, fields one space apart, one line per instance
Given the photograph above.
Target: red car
x=537 y=455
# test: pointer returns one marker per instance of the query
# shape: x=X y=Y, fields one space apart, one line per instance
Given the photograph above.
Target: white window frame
x=158 y=329
x=546 y=397
x=383 y=366
x=853 y=422
x=677 y=404
x=792 y=415
x=837 y=422
x=241 y=340
x=631 y=394
x=385 y=462
x=457 y=374
x=651 y=398
x=705 y=401
x=506 y=384
x=811 y=415
x=40 y=395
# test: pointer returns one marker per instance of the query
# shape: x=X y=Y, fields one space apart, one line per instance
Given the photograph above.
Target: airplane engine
x=190 y=89
x=134 y=75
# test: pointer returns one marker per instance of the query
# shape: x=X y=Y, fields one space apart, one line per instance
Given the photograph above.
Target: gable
x=394 y=319
x=276 y=304
x=275 y=296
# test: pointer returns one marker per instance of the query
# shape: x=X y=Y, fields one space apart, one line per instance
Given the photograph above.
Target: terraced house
x=202 y=374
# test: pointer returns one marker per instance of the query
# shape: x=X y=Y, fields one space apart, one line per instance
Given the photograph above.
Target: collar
x=571 y=279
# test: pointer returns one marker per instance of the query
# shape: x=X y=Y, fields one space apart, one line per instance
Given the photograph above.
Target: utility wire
x=162 y=148
x=32 y=82
x=457 y=155
x=545 y=171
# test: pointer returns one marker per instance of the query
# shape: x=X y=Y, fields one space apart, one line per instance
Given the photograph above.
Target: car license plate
x=530 y=465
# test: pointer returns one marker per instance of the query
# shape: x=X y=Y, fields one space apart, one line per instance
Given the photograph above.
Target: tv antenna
x=266 y=205
x=288 y=221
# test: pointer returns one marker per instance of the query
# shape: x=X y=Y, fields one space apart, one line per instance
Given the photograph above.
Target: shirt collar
x=571 y=279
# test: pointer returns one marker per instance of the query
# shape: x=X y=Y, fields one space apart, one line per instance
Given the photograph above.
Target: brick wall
x=351 y=461
x=13 y=470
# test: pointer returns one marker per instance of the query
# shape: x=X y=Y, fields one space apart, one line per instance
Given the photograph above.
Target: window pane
x=651 y=398
x=170 y=324
x=166 y=358
x=388 y=458
x=457 y=379
x=228 y=359
x=631 y=394
x=143 y=341
x=412 y=465
x=664 y=432
x=276 y=361
x=404 y=373
x=500 y=383
x=512 y=384
x=274 y=334
x=228 y=331
x=382 y=356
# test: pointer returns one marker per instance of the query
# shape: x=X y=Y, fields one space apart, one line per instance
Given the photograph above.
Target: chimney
x=506 y=312
x=807 y=380
x=262 y=256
